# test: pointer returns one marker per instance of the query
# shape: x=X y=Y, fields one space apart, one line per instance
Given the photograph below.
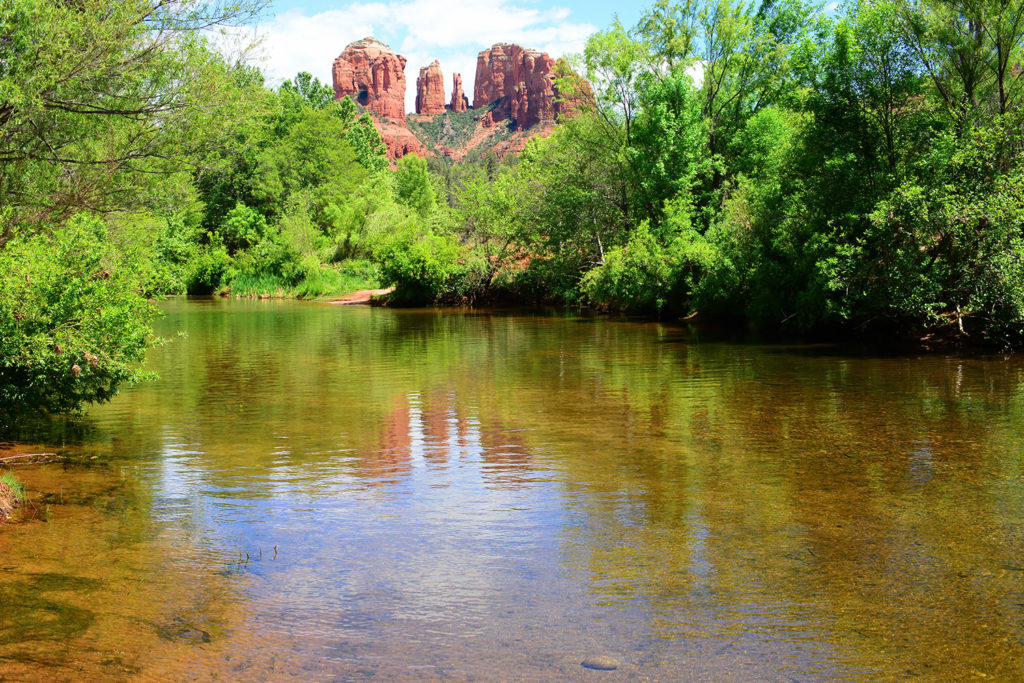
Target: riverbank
x=11 y=495
x=362 y=297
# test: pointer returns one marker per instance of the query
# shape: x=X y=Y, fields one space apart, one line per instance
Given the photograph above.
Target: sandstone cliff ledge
x=372 y=72
x=519 y=82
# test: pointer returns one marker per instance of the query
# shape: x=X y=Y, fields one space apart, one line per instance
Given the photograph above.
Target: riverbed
x=311 y=492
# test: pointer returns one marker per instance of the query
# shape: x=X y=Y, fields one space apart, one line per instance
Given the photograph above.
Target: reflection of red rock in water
x=437 y=408
x=395 y=455
x=507 y=460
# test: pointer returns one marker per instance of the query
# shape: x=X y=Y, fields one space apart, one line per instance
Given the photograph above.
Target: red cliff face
x=399 y=139
x=577 y=94
x=373 y=73
x=430 y=90
x=520 y=81
x=459 y=100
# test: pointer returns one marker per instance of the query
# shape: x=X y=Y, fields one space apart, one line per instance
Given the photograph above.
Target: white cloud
x=452 y=31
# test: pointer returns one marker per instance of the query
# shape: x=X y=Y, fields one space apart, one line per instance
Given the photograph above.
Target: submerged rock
x=181 y=631
x=600 y=663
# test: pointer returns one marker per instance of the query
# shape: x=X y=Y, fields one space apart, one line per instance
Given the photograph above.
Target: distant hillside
x=456 y=134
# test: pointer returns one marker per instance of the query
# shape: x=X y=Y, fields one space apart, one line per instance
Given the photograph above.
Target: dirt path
x=363 y=296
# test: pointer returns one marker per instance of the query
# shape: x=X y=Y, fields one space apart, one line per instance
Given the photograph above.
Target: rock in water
x=430 y=90
x=600 y=663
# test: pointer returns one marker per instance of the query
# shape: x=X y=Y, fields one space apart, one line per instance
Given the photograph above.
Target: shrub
x=636 y=277
x=208 y=270
x=422 y=266
x=73 y=321
x=242 y=228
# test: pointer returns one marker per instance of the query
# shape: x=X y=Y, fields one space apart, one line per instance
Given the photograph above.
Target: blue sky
x=306 y=35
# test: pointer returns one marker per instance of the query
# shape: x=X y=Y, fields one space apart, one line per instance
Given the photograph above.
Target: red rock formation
x=520 y=81
x=373 y=73
x=430 y=90
x=399 y=139
x=459 y=100
x=579 y=93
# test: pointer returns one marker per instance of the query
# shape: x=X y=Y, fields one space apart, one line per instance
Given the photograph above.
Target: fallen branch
x=22 y=456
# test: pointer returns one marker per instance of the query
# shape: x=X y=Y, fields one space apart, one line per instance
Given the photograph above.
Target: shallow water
x=338 y=493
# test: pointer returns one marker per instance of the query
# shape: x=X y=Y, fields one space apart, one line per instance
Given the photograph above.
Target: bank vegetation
x=771 y=163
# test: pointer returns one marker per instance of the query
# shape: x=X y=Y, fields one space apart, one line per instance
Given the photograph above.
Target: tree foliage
x=72 y=324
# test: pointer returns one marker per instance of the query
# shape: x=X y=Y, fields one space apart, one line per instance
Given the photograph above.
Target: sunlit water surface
x=330 y=493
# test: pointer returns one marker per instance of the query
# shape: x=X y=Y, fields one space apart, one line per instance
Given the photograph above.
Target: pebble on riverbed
x=600 y=663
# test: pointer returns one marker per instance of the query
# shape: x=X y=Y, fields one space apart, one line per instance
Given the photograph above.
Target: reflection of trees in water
x=794 y=485
x=870 y=501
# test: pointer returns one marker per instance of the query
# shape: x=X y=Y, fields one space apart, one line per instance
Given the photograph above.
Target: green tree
x=104 y=107
x=92 y=92
x=307 y=91
x=413 y=186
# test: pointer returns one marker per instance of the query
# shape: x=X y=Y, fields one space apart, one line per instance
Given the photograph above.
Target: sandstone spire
x=520 y=81
x=430 y=90
x=459 y=100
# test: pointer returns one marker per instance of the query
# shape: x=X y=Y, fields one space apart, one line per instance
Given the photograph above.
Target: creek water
x=311 y=492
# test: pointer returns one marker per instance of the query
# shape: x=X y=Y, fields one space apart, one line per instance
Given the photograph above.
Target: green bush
x=635 y=277
x=73 y=321
x=273 y=259
x=413 y=186
x=242 y=228
x=208 y=269
x=423 y=267
x=174 y=249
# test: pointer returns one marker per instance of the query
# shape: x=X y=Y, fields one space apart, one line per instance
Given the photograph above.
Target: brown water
x=332 y=493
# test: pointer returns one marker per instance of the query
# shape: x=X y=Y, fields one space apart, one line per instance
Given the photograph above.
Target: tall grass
x=18 y=491
x=322 y=280
x=12 y=494
x=259 y=284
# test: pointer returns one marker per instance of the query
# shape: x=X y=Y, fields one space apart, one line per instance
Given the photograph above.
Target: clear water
x=337 y=493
